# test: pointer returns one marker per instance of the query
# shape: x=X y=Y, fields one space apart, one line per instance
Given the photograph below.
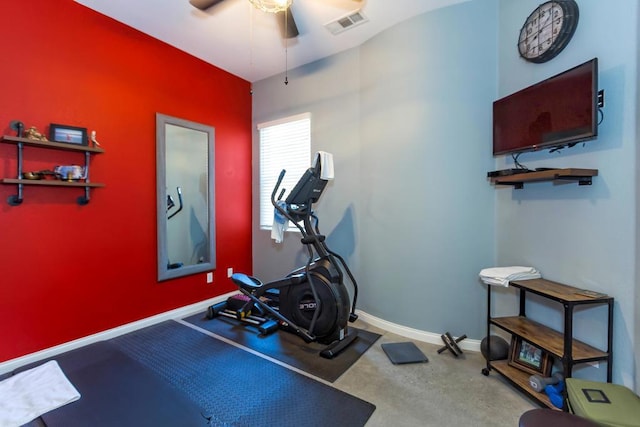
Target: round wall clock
x=548 y=30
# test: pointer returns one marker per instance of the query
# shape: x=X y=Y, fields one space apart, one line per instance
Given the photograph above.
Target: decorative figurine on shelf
x=32 y=133
x=32 y=175
x=37 y=174
x=93 y=139
x=70 y=172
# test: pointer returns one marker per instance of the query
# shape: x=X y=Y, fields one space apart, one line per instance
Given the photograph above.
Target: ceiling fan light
x=271 y=6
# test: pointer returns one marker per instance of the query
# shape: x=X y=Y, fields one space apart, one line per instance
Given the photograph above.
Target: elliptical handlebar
x=278 y=207
x=275 y=201
x=277 y=186
x=171 y=204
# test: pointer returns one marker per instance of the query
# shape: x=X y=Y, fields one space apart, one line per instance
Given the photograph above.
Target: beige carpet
x=444 y=392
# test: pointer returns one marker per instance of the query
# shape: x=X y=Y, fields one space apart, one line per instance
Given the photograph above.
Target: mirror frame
x=165 y=273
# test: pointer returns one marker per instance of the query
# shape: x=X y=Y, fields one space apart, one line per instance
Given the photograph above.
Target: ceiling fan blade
x=204 y=4
x=287 y=24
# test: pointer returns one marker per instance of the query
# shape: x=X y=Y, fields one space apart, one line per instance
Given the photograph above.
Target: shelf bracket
x=582 y=180
x=15 y=199
x=518 y=185
x=84 y=200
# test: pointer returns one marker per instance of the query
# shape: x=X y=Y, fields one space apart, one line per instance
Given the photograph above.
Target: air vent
x=346 y=22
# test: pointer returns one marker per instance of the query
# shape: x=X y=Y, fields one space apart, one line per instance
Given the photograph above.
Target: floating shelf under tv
x=581 y=176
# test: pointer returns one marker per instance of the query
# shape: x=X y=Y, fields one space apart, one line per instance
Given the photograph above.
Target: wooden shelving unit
x=581 y=176
x=50 y=144
x=520 y=380
x=559 y=344
x=51 y=183
x=20 y=182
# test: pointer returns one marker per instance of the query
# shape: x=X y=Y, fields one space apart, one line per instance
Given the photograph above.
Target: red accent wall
x=68 y=271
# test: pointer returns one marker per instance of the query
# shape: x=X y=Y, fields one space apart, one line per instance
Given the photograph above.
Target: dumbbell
x=451 y=344
x=538 y=383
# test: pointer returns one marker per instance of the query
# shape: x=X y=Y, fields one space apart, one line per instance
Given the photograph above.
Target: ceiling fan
x=285 y=19
x=281 y=8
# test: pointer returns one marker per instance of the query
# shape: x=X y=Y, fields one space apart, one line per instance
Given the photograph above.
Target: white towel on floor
x=29 y=394
x=501 y=276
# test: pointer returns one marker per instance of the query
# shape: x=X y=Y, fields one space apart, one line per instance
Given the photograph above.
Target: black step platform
x=404 y=352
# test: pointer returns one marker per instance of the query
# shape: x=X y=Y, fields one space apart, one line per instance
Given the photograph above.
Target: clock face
x=548 y=30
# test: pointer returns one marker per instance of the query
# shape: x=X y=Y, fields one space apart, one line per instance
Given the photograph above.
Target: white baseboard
x=179 y=313
x=416 y=334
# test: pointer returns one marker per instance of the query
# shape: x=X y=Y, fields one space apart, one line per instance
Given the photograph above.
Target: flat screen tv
x=557 y=112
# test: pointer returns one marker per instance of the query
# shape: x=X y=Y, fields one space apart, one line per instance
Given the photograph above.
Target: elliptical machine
x=311 y=301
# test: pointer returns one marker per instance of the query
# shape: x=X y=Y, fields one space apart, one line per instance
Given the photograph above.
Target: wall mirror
x=185 y=204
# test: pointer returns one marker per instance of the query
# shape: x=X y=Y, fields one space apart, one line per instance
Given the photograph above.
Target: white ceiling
x=246 y=42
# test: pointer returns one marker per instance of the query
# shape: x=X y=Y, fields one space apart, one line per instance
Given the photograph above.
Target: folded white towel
x=501 y=276
x=29 y=394
x=326 y=164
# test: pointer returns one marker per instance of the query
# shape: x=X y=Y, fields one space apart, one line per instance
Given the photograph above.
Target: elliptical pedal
x=237 y=307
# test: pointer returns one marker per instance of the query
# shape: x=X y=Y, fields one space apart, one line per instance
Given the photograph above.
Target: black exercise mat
x=235 y=387
x=404 y=352
x=289 y=348
x=116 y=390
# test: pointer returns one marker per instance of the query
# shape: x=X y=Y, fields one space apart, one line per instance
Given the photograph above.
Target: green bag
x=610 y=405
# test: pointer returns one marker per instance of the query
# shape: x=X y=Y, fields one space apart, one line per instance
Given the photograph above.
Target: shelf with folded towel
x=501 y=276
x=547 y=341
x=581 y=176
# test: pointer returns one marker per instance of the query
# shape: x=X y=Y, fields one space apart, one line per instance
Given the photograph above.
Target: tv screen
x=557 y=112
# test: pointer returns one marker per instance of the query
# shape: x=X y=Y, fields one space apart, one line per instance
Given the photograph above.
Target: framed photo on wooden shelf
x=529 y=358
x=68 y=134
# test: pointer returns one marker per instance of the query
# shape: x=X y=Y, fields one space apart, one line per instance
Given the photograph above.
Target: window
x=284 y=144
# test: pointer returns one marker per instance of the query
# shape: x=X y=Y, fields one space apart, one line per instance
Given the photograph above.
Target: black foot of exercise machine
x=242 y=309
x=311 y=301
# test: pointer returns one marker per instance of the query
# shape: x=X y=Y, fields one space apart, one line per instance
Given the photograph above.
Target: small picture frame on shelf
x=529 y=358
x=68 y=134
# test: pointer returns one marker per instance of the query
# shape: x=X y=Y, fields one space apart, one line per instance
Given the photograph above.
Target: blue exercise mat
x=237 y=388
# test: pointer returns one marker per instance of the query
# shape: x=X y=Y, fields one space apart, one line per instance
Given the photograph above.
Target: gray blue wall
x=407 y=116
x=582 y=236
x=426 y=217
x=637 y=179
